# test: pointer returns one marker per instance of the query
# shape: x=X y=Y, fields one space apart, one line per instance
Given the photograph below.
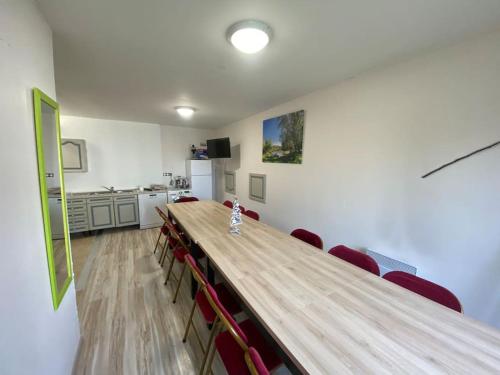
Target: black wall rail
x=461 y=158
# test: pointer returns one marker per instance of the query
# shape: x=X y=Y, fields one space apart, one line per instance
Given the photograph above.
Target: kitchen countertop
x=177 y=189
x=103 y=193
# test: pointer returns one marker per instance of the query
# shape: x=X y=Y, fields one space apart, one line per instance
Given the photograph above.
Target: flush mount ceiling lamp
x=185 y=112
x=249 y=36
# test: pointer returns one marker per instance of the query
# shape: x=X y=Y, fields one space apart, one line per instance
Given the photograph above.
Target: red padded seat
x=309 y=237
x=230 y=351
x=425 y=288
x=224 y=296
x=232 y=354
x=254 y=215
x=186 y=199
x=180 y=254
x=356 y=258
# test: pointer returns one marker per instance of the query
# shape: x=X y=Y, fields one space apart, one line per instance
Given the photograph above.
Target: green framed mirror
x=53 y=197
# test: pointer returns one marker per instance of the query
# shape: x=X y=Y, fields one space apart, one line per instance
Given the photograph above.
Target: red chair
x=309 y=237
x=228 y=204
x=255 y=363
x=186 y=199
x=201 y=301
x=179 y=253
x=163 y=230
x=254 y=215
x=233 y=343
x=170 y=241
x=355 y=257
x=425 y=288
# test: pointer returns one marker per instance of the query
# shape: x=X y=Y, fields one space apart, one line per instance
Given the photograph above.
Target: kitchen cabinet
x=126 y=210
x=77 y=215
x=101 y=213
x=74 y=155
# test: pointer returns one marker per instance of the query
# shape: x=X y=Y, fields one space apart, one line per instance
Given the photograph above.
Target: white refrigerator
x=199 y=173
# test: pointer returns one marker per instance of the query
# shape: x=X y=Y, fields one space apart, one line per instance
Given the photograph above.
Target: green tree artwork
x=283 y=137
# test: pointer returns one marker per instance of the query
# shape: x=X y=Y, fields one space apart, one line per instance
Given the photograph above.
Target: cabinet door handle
x=152 y=195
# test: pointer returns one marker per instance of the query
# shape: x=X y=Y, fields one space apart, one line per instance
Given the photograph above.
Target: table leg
x=195 y=251
x=210 y=273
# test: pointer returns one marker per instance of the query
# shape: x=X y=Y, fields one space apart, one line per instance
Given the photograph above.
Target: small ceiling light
x=249 y=36
x=185 y=112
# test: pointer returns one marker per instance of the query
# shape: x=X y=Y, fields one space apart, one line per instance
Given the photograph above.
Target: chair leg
x=164 y=251
x=165 y=255
x=169 y=270
x=190 y=320
x=209 y=347
x=157 y=242
x=179 y=282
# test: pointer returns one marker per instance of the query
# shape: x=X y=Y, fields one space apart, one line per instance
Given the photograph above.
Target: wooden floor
x=128 y=322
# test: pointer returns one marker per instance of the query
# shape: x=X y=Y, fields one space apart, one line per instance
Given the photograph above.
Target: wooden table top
x=329 y=316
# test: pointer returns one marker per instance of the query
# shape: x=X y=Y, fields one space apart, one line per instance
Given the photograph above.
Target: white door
x=202 y=187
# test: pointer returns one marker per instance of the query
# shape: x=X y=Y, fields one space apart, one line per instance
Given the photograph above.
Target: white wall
x=34 y=338
x=119 y=153
x=176 y=143
x=368 y=141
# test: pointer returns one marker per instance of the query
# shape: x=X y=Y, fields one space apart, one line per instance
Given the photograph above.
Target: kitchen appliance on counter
x=174 y=194
x=199 y=173
x=148 y=217
x=157 y=187
x=181 y=182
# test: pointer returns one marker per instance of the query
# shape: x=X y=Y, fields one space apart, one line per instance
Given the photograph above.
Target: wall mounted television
x=219 y=148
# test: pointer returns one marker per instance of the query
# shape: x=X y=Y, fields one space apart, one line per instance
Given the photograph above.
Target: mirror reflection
x=53 y=178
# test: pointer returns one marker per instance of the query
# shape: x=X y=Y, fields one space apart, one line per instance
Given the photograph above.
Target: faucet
x=111 y=189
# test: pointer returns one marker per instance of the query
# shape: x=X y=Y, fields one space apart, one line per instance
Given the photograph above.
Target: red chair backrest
x=181 y=239
x=228 y=204
x=254 y=215
x=255 y=363
x=425 y=288
x=229 y=322
x=355 y=257
x=162 y=214
x=309 y=237
x=191 y=262
x=186 y=199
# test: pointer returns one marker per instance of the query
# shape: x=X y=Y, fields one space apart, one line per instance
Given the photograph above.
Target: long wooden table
x=330 y=317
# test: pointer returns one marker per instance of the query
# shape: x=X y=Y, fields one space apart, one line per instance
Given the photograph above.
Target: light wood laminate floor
x=128 y=322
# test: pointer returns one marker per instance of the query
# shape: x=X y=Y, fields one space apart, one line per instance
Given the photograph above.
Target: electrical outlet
x=167 y=174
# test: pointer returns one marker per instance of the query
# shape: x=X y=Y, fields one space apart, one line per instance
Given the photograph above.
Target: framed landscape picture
x=283 y=137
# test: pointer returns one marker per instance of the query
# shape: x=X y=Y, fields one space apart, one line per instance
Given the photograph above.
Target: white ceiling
x=136 y=60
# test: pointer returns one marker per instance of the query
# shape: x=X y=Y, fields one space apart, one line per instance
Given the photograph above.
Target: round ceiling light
x=249 y=36
x=185 y=112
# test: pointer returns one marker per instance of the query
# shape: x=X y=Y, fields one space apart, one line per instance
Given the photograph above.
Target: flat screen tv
x=218 y=148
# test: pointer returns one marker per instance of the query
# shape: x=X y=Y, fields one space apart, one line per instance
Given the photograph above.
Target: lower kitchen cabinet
x=77 y=215
x=126 y=210
x=95 y=213
x=101 y=213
